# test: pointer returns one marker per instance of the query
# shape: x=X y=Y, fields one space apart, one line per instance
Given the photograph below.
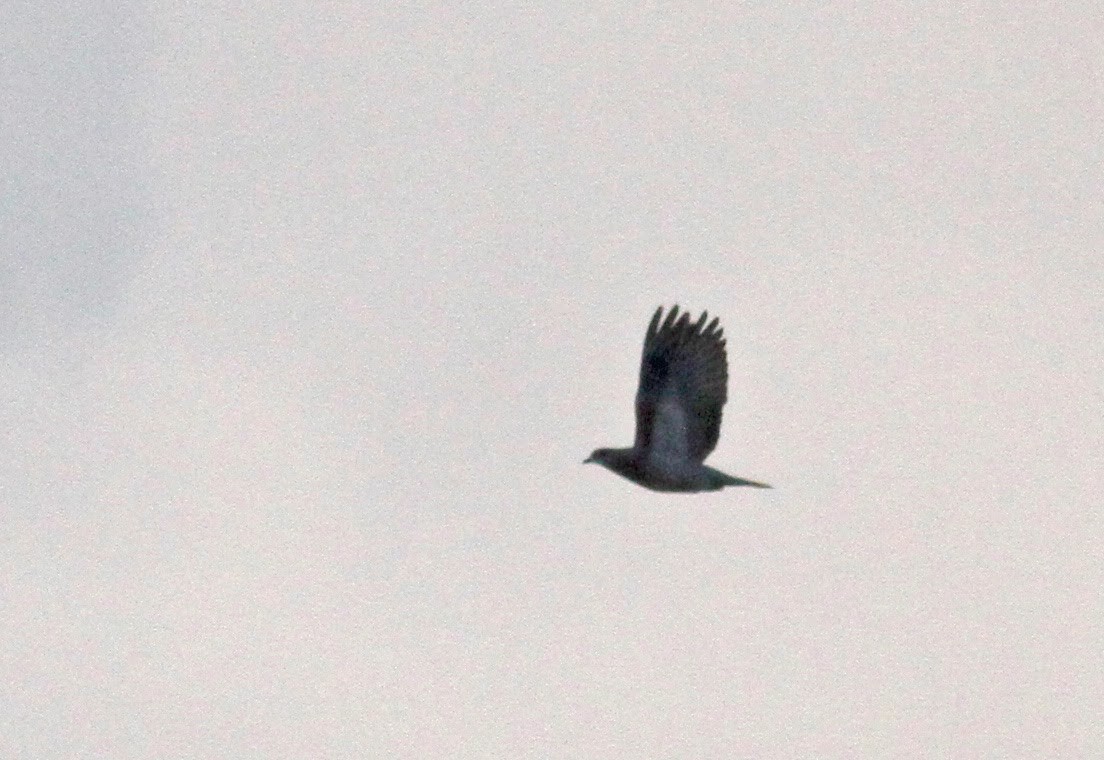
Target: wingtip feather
x=670 y=320
x=653 y=326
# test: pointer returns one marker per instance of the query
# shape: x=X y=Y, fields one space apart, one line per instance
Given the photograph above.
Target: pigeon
x=683 y=387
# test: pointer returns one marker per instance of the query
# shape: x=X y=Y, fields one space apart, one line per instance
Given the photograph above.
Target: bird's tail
x=742 y=482
x=727 y=480
x=719 y=479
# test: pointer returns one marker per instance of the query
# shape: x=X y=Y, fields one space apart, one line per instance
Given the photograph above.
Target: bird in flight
x=683 y=387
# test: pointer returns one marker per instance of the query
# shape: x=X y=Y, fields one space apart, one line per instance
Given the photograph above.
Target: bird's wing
x=683 y=381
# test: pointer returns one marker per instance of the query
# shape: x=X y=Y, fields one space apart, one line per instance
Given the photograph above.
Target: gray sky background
x=309 y=314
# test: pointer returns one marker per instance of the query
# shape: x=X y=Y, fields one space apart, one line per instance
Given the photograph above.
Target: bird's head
x=600 y=456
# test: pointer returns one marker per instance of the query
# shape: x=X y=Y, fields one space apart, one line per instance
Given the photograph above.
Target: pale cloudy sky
x=310 y=312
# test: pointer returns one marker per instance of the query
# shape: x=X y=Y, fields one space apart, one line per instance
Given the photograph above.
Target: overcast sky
x=310 y=313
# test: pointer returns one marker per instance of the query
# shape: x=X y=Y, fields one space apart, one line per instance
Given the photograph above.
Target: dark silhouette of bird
x=683 y=388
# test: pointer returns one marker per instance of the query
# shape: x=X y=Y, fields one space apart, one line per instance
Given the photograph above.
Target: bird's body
x=683 y=388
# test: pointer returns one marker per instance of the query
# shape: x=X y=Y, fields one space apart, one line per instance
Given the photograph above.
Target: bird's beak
x=588 y=460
